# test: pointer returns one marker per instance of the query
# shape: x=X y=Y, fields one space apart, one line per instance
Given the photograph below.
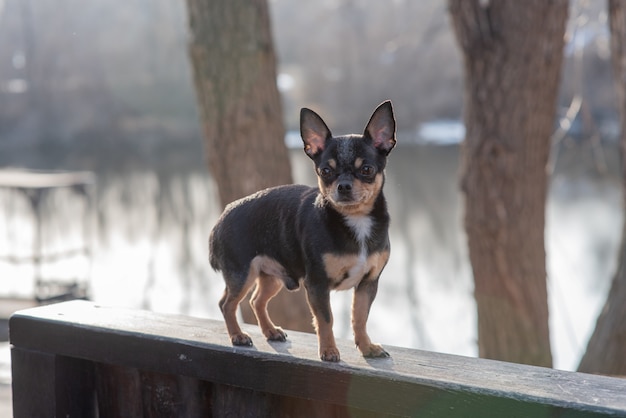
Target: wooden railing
x=77 y=359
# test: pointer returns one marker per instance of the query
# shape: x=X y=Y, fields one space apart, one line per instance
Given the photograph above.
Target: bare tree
x=234 y=69
x=512 y=54
x=606 y=350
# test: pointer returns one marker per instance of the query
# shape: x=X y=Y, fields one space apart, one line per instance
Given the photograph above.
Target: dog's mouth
x=348 y=201
x=343 y=199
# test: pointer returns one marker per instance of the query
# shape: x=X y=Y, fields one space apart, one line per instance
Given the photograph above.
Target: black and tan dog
x=334 y=237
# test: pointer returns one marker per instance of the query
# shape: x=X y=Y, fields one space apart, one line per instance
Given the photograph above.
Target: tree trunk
x=606 y=350
x=235 y=77
x=234 y=69
x=512 y=54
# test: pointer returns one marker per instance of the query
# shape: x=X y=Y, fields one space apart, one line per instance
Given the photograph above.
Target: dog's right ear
x=314 y=132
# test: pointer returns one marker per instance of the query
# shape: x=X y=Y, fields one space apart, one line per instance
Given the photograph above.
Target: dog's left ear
x=381 y=128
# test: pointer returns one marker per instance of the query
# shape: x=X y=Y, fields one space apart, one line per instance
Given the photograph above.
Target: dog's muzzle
x=343 y=191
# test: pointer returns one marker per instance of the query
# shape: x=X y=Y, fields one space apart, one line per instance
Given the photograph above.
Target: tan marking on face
x=358 y=163
x=347 y=271
x=364 y=196
x=332 y=163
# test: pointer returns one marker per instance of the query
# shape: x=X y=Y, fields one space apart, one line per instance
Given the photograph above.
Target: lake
x=150 y=226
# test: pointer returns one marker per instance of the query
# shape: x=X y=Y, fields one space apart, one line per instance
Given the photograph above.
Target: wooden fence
x=78 y=359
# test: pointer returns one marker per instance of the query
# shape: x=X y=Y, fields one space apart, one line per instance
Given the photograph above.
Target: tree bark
x=234 y=68
x=606 y=350
x=235 y=77
x=512 y=53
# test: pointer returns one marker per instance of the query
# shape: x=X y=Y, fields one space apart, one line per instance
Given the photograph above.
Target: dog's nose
x=344 y=187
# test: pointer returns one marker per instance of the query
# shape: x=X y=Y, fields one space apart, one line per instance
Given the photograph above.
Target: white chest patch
x=361 y=226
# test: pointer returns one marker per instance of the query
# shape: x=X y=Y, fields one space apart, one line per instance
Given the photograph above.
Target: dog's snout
x=344 y=187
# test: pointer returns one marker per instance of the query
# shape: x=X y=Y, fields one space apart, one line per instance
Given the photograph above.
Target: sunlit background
x=106 y=87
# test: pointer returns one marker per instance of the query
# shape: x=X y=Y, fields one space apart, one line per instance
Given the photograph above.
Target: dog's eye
x=325 y=172
x=367 y=170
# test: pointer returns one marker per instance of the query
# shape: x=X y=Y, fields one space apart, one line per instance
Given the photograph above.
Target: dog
x=333 y=237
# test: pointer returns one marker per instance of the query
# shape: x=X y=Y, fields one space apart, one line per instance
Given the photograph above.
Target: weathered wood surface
x=184 y=366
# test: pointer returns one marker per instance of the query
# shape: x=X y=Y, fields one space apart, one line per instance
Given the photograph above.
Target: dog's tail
x=214 y=253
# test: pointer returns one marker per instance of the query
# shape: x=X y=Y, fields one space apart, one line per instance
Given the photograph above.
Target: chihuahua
x=333 y=237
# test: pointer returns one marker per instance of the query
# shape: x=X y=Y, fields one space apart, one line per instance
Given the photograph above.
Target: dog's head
x=350 y=168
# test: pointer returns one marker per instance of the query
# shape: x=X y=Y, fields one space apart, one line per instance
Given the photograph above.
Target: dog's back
x=261 y=224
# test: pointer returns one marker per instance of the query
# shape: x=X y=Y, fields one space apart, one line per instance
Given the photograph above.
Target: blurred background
x=106 y=87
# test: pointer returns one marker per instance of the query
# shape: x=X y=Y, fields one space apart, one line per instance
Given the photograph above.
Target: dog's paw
x=275 y=334
x=373 y=350
x=241 y=339
x=329 y=354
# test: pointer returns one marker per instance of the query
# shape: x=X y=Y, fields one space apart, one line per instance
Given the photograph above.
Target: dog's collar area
x=361 y=226
x=352 y=210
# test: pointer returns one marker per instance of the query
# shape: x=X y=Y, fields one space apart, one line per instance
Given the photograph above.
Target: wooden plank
x=33 y=373
x=74 y=387
x=118 y=391
x=195 y=397
x=161 y=396
x=410 y=381
x=45 y=384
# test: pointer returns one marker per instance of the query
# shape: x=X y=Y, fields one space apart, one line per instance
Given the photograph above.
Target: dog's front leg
x=364 y=295
x=319 y=302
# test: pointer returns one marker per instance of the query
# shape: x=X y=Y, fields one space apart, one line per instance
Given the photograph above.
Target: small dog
x=334 y=237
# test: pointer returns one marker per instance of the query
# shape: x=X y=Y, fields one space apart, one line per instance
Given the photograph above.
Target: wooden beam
x=410 y=382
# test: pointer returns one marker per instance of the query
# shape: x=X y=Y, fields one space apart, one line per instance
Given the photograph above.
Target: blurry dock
x=36 y=187
x=7 y=307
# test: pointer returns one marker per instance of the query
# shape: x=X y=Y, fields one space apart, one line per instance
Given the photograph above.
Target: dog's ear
x=381 y=129
x=314 y=132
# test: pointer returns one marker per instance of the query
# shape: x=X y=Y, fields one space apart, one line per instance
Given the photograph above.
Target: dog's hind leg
x=267 y=287
x=228 y=305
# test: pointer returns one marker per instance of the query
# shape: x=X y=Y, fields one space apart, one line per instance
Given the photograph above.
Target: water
x=150 y=228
